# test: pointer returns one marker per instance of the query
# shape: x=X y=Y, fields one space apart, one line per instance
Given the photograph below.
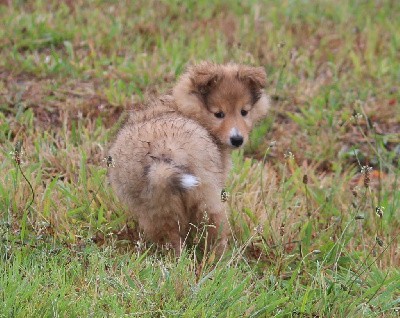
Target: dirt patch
x=51 y=100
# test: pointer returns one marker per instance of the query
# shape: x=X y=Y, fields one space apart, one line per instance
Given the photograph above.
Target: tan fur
x=179 y=136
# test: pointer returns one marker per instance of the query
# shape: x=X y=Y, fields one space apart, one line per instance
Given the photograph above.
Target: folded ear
x=255 y=78
x=204 y=77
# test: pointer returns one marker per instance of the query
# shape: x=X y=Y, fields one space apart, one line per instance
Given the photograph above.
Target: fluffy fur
x=172 y=159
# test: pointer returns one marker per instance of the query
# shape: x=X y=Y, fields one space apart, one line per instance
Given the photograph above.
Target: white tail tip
x=189 y=181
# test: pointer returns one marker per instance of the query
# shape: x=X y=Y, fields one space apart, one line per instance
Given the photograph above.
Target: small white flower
x=272 y=143
x=356 y=117
x=259 y=229
x=224 y=195
x=366 y=169
x=379 y=211
x=109 y=161
x=289 y=155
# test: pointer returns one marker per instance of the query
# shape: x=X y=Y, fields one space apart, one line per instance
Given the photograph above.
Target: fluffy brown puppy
x=172 y=159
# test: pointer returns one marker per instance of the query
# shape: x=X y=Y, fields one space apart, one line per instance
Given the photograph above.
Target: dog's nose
x=236 y=141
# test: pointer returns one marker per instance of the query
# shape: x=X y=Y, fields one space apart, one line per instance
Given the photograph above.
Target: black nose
x=237 y=141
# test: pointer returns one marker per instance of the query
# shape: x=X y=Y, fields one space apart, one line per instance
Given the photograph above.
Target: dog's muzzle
x=236 y=141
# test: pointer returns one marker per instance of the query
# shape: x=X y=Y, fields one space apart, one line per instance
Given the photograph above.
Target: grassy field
x=314 y=197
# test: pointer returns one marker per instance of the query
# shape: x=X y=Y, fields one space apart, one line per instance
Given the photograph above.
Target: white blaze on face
x=234 y=133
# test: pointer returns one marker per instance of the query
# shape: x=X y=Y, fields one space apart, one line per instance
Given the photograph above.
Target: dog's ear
x=204 y=77
x=255 y=78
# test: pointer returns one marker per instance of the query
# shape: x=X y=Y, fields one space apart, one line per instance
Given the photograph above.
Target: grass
x=308 y=238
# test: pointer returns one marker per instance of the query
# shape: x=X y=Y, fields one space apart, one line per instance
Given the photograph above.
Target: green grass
x=306 y=238
x=85 y=281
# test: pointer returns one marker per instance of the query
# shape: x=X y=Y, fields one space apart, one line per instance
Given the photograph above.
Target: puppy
x=172 y=159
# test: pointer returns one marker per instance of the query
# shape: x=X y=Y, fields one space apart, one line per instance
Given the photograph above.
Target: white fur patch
x=234 y=133
x=189 y=181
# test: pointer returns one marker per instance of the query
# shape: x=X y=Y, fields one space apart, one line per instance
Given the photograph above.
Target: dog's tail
x=165 y=177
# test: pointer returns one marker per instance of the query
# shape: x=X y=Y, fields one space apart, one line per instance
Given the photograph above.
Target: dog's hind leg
x=165 y=230
x=218 y=231
x=218 y=224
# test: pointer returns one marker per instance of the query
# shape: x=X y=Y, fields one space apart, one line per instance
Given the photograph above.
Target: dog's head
x=226 y=99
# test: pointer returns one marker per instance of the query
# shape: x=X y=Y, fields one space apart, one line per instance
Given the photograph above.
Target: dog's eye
x=219 y=115
x=244 y=112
